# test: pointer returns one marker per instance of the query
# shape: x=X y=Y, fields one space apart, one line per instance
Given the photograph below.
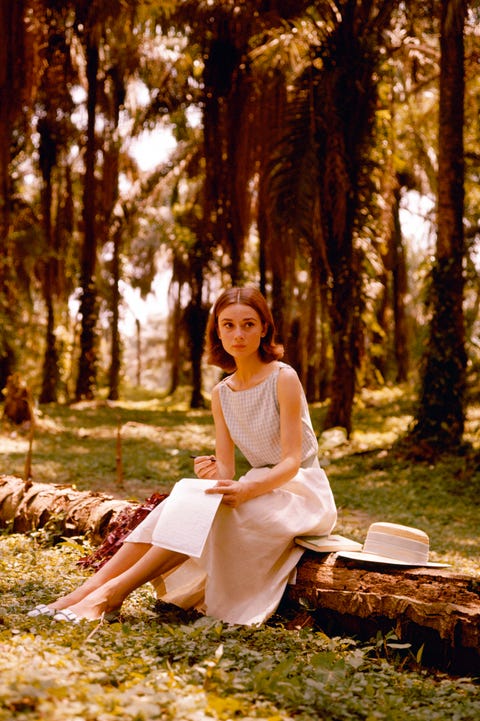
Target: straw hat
x=394 y=544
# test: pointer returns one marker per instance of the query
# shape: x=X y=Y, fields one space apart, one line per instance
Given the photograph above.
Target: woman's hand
x=205 y=466
x=234 y=492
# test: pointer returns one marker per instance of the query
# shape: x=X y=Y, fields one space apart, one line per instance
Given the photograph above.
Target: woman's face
x=240 y=330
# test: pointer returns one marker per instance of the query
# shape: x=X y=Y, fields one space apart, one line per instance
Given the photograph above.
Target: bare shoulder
x=288 y=380
x=215 y=393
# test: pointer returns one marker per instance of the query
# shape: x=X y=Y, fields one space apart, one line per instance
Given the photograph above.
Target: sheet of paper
x=187 y=516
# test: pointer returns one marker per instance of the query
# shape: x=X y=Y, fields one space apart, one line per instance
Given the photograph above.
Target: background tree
x=323 y=167
x=20 y=37
x=57 y=134
x=441 y=414
x=92 y=25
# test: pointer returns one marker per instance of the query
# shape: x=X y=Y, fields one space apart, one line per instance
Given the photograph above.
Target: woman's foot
x=64 y=602
x=72 y=598
x=101 y=603
x=41 y=610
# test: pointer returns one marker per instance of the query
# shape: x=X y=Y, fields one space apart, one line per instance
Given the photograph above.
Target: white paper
x=187 y=516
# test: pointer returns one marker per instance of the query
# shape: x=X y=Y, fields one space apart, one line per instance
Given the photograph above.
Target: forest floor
x=172 y=666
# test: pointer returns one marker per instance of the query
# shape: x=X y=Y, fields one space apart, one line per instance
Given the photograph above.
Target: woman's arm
x=289 y=392
x=222 y=465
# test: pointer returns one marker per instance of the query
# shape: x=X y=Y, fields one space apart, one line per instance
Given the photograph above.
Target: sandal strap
x=65 y=614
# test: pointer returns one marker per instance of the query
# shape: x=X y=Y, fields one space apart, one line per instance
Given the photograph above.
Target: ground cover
x=162 y=664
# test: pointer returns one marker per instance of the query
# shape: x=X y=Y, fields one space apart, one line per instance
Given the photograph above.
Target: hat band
x=396 y=547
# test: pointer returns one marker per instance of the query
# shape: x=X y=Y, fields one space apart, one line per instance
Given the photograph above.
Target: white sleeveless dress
x=250 y=552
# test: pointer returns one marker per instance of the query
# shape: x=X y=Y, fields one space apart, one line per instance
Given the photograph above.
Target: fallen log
x=433 y=608
x=26 y=506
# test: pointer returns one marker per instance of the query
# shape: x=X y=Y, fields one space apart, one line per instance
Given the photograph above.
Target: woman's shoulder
x=218 y=385
x=288 y=378
x=286 y=370
x=222 y=383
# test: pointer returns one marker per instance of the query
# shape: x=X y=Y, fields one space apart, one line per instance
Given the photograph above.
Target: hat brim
x=328 y=544
x=374 y=558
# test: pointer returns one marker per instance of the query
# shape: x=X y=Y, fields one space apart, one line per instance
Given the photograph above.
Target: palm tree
x=91 y=24
x=232 y=108
x=56 y=132
x=440 y=418
x=18 y=66
x=319 y=178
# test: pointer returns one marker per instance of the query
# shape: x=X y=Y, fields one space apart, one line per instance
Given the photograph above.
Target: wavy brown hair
x=269 y=349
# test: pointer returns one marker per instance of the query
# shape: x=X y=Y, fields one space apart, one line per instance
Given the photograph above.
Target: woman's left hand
x=234 y=492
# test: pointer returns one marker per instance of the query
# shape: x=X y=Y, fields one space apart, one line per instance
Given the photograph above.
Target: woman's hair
x=269 y=350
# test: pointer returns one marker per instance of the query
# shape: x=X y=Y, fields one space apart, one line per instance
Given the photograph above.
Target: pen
x=212 y=458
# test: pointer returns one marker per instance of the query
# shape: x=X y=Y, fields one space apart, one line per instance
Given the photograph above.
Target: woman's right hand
x=205 y=466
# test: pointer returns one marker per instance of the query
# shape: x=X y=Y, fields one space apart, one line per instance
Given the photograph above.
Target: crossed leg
x=133 y=565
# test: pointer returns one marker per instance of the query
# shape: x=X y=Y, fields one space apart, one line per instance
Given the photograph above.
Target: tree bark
x=14 y=70
x=428 y=607
x=87 y=364
x=440 y=419
x=399 y=293
x=26 y=506
x=115 y=346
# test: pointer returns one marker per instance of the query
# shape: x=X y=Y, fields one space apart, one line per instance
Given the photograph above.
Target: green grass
x=170 y=665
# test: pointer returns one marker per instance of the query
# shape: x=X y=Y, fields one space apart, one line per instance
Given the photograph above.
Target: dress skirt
x=250 y=551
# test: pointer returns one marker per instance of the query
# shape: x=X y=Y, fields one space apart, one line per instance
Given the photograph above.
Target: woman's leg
x=125 y=557
x=112 y=591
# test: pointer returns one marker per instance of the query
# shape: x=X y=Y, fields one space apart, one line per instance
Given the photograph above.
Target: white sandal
x=42 y=610
x=65 y=614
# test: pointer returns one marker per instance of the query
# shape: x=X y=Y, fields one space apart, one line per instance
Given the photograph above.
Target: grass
x=176 y=666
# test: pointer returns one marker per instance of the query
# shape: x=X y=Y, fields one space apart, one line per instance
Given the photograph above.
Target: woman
x=250 y=552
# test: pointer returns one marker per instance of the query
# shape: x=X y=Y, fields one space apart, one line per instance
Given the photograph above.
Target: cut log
x=428 y=607
x=28 y=506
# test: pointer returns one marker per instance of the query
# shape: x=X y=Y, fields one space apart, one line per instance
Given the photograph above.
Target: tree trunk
x=196 y=316
x=13 y=72
x=174 y=342
x=17 y=406
x=87 y=367
x=399 y=293
x=225 y=95
x=27 y=506
x=346 y=333
x=313 y=343
x=441 y=416
x=426 y=607
x=50 y=372
x=115 y=353
x=346 y=108
x=47 y=162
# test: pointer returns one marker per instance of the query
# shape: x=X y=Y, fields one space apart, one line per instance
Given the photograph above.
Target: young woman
x=250 y=552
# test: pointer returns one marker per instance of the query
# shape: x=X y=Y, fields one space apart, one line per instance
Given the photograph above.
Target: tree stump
x=17 y=406
x=428 y=607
